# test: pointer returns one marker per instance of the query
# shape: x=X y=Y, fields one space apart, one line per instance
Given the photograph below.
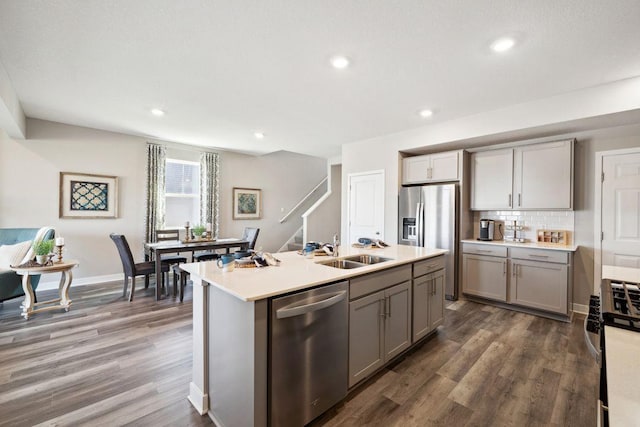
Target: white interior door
x=366 y=206
x=621 y=210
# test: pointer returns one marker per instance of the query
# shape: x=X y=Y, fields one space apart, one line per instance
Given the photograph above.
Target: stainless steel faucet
x=336 y=245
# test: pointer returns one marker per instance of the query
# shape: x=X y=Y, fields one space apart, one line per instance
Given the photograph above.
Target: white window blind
x=182 y=192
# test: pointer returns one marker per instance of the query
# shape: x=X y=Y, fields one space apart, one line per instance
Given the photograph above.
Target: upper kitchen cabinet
x=491 y=179
x=537 y=176
x=437 y=167
x=543 y=176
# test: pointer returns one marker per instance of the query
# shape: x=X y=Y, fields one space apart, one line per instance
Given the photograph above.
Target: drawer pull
x=538 y=256
x=488 y=251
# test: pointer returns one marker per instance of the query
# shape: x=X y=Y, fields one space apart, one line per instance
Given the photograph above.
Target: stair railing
x=304 y=199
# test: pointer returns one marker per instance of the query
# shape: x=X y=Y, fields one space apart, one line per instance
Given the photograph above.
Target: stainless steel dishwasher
x=308 y=354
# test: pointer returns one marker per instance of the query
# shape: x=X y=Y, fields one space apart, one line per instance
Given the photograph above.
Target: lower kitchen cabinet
x=397 y=325
x=541 y=285
x=428 y=303
x=527 y=277
x=379 y=329
x=484 y=276
x=366 y=336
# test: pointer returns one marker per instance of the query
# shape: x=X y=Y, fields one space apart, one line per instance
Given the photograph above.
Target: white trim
x=92 y=280
x=580 y=308
x=597 y=214
x=198 y=399
x=184 y=162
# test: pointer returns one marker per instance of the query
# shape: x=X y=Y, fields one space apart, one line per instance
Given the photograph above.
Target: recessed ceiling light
x=340 y=62
x=157 y=112
x=426 y=113
x=503 y=44
x=259 y=135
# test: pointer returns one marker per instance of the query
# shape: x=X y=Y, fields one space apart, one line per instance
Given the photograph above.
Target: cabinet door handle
x=382 y=307
x=389 y=304
x=519 y=198
x=515 y=269
x=430 y=173
x=509 y=199
x=504 y=268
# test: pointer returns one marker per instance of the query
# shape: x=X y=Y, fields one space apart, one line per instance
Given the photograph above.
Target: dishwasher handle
x=297 y=310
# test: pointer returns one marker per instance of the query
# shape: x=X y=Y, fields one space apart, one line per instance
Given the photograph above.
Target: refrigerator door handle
x=421 y=226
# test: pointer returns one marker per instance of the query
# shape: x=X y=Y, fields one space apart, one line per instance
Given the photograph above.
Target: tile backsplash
x=531 y=220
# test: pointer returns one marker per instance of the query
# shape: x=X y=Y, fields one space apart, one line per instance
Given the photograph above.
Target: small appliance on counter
x=486 y=229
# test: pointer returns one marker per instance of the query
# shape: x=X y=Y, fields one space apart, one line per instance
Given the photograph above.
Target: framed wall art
x=88 y=196
x=247 y=203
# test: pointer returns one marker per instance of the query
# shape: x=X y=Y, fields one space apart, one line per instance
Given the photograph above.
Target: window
x=182 y=193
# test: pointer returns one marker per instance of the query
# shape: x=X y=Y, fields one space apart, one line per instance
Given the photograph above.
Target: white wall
x=29 y=173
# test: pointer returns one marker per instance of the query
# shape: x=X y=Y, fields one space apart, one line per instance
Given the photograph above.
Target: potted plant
x=42 y=250
x=198 y=230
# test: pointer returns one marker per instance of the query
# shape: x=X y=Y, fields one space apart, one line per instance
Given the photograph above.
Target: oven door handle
x=590 y=346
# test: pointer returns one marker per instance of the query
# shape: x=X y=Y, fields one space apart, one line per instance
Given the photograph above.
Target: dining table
x=154 y=251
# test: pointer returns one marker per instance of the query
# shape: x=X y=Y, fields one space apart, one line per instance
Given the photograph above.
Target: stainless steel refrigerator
x=428 y=216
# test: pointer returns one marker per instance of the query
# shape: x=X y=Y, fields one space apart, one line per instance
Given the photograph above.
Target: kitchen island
x=231 y=321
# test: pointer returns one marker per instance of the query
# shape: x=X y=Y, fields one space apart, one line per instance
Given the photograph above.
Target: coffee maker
x=486 y=229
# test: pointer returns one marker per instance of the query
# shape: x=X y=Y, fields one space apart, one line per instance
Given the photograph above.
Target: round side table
x=29 y=306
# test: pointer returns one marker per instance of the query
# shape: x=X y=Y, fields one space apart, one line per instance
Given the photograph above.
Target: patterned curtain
x=156 y=164
x=210 y=190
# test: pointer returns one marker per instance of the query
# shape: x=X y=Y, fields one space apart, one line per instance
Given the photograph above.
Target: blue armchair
x=10 y=282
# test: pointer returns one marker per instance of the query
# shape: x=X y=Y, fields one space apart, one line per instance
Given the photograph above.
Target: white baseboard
x=580 y=308
x=198 y=399
x=93 y=280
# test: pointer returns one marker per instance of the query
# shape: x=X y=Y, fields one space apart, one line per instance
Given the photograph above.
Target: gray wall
x=29 y=173
x=324 y=222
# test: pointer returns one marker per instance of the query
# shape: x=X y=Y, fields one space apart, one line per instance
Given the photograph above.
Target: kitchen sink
x=367 y=259
x=342 y=263
x=354 y=261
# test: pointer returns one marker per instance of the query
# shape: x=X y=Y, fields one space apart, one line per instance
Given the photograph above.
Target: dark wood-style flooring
x=111 y=362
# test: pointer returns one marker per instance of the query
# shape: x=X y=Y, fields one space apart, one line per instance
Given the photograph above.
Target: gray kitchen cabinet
x=438 y=167
x=484 y=276
x=366 y=336
x=491 y=179
x=538 y=284
x=543 y=176
x=428 y=303
x=535 y=176
x=397 y=325
x=535 y=278
x=379 y=320
x=379 y=329
x=436 y=300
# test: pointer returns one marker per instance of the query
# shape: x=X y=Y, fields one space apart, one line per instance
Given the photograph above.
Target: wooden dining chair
x=132 y=269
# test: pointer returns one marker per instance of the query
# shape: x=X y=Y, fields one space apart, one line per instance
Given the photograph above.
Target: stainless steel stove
x=617 y=306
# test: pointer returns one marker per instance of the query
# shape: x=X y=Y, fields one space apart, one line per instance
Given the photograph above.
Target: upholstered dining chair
x=133 y=269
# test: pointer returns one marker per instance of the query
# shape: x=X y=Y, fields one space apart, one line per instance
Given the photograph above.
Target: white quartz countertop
x=296 y=272
x=528 y=245
x=622 y=349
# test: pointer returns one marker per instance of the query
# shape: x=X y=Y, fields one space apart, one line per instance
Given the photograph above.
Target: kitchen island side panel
x=237 y=355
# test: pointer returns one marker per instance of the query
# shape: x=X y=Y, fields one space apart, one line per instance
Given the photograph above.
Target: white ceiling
x=224 y=69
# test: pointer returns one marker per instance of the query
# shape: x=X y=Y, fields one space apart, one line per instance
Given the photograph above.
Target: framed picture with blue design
x=88 y=196
x=247 y=203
